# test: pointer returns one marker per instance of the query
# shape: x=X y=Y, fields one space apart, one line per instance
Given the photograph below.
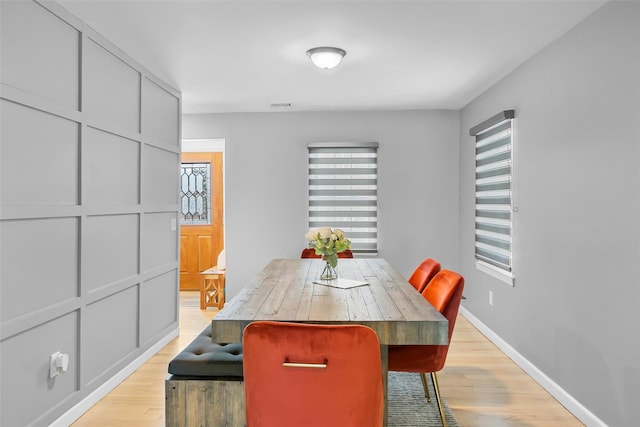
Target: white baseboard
x=85 y=404
x=568 y=401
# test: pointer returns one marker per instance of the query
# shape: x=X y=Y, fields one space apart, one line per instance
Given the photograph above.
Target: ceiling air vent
x=281 y=105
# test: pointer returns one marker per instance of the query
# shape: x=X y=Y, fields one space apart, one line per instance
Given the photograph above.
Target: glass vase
x=328 y=272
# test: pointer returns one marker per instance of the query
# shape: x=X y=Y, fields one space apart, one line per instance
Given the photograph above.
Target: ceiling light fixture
x=326 y=57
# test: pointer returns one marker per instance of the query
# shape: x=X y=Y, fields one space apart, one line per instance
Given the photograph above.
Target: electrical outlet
x=58 y=364
x=490 y=297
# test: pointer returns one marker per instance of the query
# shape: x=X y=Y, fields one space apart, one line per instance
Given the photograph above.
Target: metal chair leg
x=434 y=378
x=423 y=377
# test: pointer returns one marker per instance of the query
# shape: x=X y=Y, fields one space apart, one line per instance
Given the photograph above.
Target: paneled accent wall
x=90 y=155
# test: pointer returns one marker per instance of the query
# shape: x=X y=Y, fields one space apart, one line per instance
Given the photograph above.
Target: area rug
x=409 y=408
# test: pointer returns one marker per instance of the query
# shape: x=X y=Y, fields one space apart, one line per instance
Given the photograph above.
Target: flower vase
x=329 y=272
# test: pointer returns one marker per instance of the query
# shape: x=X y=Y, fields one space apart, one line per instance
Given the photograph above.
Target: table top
x=213 y=270
x=284 y=291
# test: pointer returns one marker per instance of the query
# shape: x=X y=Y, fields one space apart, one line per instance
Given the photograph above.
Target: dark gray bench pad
x=204 y=358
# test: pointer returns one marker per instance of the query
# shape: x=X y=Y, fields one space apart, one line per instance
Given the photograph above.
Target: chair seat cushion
x=204 y=358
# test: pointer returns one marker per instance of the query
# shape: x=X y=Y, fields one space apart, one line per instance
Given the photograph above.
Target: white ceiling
x=243 y=56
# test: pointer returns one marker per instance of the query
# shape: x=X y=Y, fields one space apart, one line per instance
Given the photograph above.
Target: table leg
x=221 y=290
x=202 y=292
x=384 y=356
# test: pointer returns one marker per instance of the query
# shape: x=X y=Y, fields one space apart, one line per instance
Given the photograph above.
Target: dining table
x=368 y=291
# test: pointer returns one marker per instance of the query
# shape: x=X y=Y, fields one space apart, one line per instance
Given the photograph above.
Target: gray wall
x=266 y=182
x=574 y=309
x=89 y=261
x=89 y=149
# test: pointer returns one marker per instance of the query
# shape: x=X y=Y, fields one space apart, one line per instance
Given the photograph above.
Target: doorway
x=202 y=211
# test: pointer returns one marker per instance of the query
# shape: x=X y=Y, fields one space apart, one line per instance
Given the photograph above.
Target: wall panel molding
x=21 y=97
x=111 y=158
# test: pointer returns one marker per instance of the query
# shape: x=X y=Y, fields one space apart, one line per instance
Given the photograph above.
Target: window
x=343 y=191
x=195 y=194
x=493 y=196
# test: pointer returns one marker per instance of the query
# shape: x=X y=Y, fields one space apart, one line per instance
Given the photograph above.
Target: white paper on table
x=341 y=283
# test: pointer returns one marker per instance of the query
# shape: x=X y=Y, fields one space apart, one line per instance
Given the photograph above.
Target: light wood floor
x=483 y=387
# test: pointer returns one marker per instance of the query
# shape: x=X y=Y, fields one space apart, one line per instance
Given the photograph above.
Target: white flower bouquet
x=328 y=243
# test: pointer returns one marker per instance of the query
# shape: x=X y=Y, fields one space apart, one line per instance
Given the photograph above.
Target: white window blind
x=343 y=191
x=493 y=195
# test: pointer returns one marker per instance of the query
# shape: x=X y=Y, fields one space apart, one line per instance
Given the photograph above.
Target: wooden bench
x=205 y=386
x=212 y=288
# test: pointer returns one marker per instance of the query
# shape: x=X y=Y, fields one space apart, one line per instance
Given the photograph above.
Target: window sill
x=501 y=275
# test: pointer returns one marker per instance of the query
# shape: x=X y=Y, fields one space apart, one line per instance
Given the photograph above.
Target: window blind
x=493 y=195
x=343 y=191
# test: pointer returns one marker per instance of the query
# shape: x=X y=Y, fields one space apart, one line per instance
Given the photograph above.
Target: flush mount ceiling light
x=326 y=57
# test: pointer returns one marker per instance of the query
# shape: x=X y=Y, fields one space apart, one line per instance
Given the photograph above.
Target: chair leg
x=434 y=378
x=423 y=377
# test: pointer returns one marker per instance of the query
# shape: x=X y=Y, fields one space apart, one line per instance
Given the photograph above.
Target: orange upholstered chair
x=311 y=253
x=444 y=292
x=312 y=375
x=424 y=273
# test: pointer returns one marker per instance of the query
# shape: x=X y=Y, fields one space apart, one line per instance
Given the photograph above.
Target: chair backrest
x=311 y=253
x=444 y=292
x=312 y=375
x=424 y=273
x=346 y=254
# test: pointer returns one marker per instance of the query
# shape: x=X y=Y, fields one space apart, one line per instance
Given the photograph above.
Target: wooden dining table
x=285 y=291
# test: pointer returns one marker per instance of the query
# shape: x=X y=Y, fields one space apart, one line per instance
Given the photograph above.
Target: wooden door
x=201 y=231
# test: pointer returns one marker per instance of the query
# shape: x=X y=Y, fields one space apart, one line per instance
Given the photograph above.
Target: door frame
x=215 y=145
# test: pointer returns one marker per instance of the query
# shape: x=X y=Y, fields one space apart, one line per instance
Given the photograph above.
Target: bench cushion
x=204 y=358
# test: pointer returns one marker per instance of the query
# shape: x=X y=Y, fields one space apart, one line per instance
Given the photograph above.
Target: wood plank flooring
x=482 y=386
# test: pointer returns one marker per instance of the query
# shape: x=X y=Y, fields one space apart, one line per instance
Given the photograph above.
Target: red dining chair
x=312 y=375
x=444 y=292
x=424 y=273
x=311 y=253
